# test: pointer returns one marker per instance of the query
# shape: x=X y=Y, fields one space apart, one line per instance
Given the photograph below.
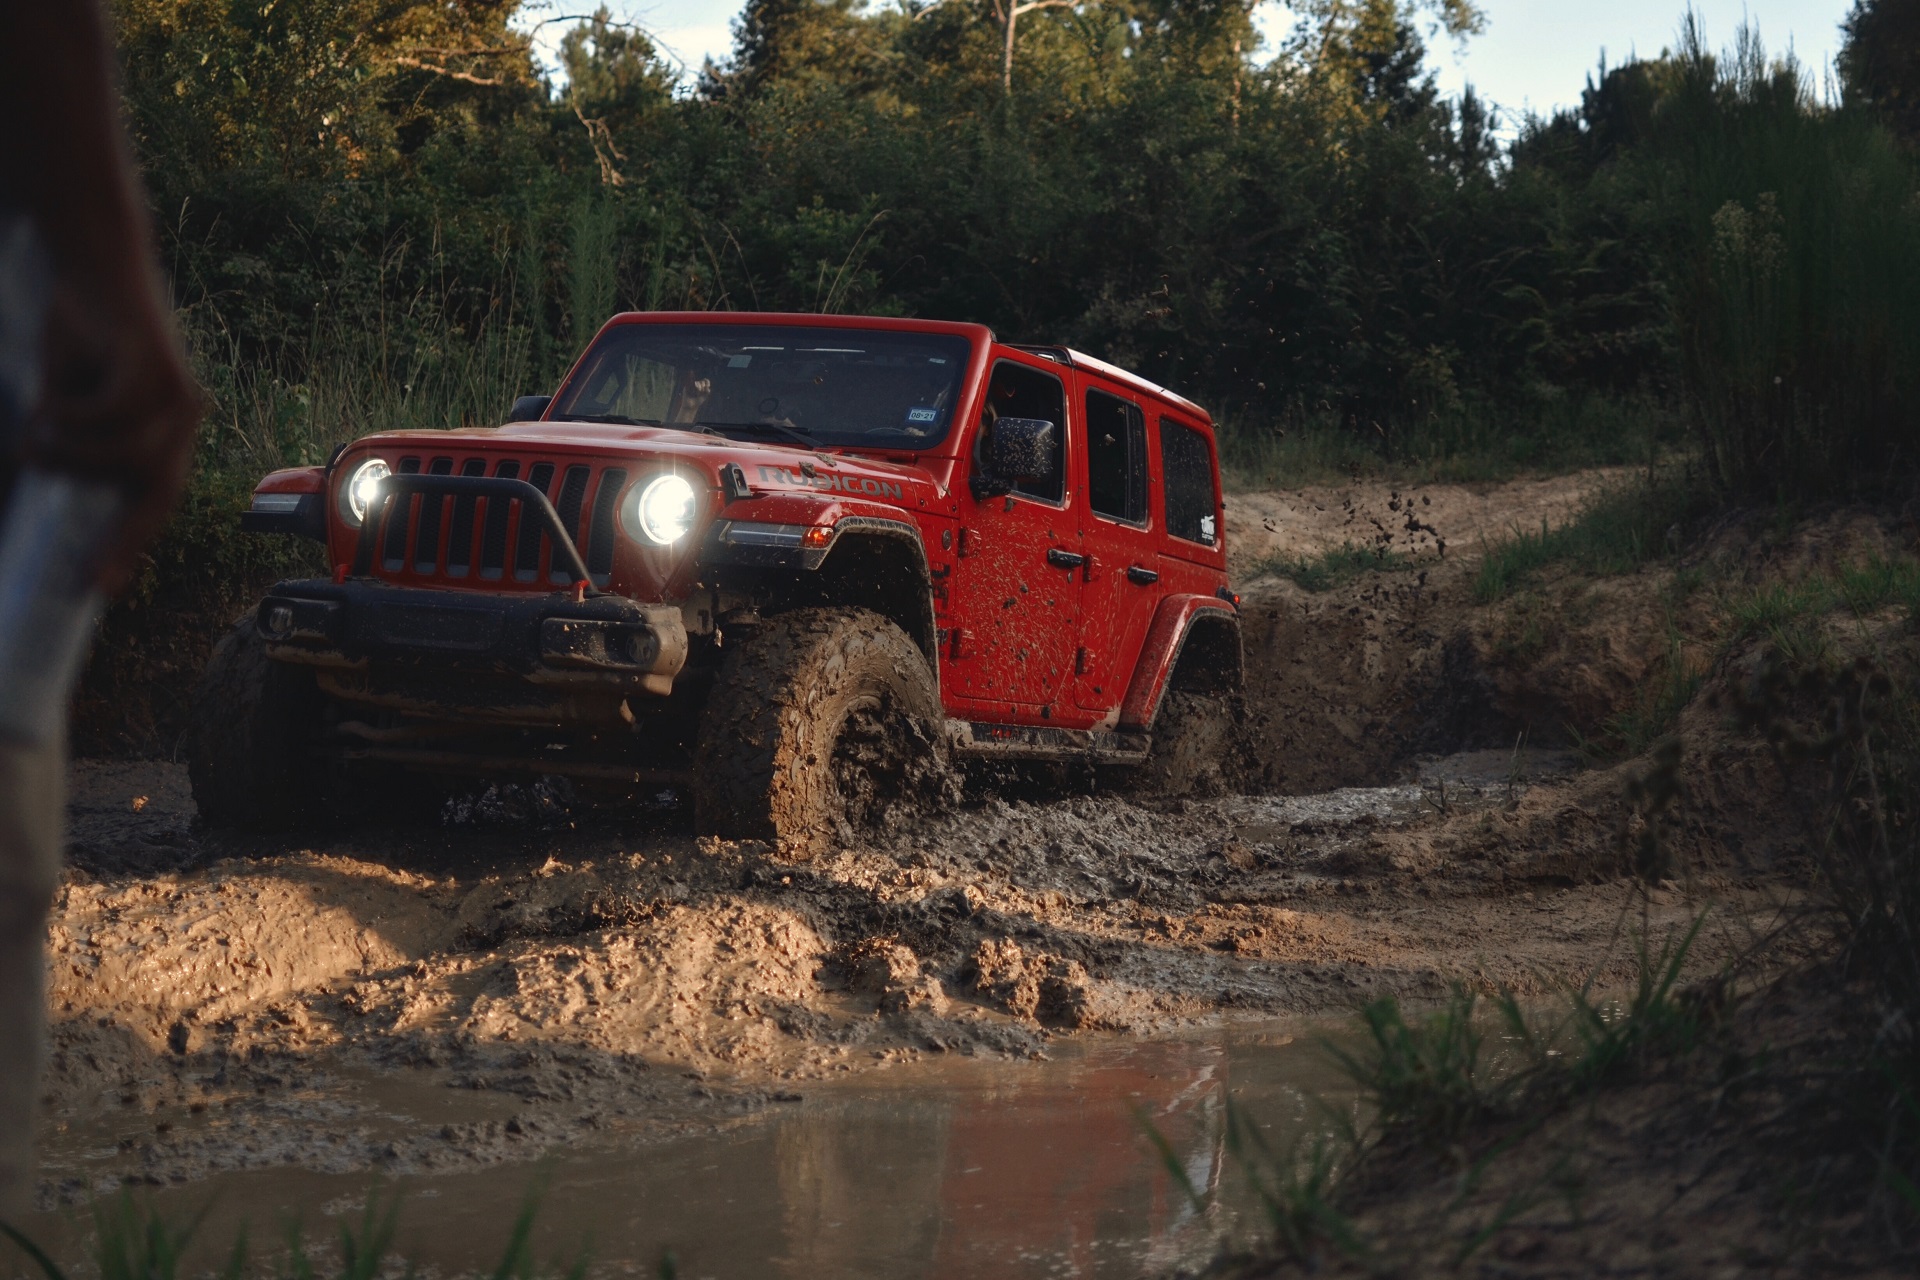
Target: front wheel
x=251 y=755
x=822 y=722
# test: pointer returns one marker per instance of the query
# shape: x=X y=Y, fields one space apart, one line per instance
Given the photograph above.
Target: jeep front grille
x=468 y=537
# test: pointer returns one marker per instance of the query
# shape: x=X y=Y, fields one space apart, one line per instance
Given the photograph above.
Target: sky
x=1535 y=54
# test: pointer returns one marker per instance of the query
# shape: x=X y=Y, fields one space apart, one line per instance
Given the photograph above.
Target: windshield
x=859 y=388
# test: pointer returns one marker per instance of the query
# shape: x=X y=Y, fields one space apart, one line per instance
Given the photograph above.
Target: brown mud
x=581 y=974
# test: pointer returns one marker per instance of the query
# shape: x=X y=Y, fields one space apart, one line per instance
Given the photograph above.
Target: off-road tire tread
x=1195 y=737
x=759 y=773
x=248 y=743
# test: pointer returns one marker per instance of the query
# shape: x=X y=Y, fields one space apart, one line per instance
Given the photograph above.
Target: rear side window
x=1116 y=458
x=1187 y=464
x=1019 y=392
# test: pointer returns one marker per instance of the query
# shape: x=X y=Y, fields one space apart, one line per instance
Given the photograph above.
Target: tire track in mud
x=262 y=1005
x=418 y=997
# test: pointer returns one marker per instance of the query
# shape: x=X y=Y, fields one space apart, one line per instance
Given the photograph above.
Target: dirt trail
x=227 y=1002
x=1299 y=524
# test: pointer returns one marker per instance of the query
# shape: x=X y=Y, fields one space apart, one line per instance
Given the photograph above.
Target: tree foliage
x=1880 y=62
x=1308 y=233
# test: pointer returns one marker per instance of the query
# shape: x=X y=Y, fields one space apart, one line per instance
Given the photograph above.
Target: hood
x=768 y=466
x=590 y=472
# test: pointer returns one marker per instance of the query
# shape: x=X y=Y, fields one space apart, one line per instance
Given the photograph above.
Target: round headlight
x=362 y=487
x=663 y=512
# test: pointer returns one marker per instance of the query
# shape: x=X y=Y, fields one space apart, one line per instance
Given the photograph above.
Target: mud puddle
x=918 y=1055
x=960 y=1168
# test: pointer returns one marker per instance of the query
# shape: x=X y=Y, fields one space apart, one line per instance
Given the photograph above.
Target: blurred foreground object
x=97 y=417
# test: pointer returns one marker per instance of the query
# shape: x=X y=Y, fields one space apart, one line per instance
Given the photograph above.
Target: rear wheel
x=251 y=743
x=823 y=722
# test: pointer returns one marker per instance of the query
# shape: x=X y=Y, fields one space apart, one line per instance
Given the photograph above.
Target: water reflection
x=946 y=1169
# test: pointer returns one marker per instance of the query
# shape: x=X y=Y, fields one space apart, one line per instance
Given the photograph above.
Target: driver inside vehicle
x=691 y=391
x=997 y=391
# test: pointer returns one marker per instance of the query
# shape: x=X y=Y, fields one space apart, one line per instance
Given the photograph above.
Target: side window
x=1016 y=391
x=1187 y=464
x=1116 y=458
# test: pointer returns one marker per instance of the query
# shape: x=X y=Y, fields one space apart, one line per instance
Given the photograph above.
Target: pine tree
x=1880 y=62
x=784 y=41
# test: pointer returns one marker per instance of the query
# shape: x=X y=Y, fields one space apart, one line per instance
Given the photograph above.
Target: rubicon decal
x=866 y=485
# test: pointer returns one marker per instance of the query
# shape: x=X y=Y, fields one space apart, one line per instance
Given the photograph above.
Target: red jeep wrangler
x=785 y=562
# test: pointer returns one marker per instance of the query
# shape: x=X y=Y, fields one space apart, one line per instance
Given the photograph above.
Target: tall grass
x=1796 y=276
x=593 y=267
x=1474 y=441
x=1436 y=1075
x=1455 y=1081
x=132 y=1240
x=1847 y=746
x=348 y=380
x=1618 y=531
x=389 y=364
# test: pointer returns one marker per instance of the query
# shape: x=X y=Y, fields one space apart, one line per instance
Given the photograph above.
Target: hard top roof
x=974 y=332
x=1138 y=383
x=799 y=319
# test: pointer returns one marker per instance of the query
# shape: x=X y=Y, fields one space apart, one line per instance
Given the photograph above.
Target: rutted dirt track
x=605 y=975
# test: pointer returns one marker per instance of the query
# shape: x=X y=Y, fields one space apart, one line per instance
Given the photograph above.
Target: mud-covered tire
x=250 y=744
x=821 y=722
x=1194 y=751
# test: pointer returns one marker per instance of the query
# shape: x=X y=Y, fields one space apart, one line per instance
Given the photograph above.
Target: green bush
x=202 y=572
x=1618 y=531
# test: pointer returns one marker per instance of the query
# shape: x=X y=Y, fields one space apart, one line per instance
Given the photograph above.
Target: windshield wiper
x=618 y=419
x=792 y=432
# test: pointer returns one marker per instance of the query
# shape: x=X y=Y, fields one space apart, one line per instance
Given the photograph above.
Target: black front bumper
x=607 y=641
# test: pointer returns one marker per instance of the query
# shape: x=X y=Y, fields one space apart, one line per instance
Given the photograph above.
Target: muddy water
x=957 y=1168
x=916 y=1058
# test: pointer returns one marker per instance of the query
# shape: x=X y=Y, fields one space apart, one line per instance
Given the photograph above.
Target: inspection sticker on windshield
x=923 y=415
x=739 y=362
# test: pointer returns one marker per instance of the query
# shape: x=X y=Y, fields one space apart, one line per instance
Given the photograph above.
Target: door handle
x=1144 y=576
x=1065 y=559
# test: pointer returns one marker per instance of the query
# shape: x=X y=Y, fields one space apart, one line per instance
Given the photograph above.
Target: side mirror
x=529 y=408
x=1022 y=449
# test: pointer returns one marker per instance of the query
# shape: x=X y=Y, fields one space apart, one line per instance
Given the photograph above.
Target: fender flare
x=851 y=530
x=843 y=517
x=855 y=525
x=1173 y=621
x=292 y=500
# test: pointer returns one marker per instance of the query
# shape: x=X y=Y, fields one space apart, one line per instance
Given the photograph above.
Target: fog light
x=279 y=620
